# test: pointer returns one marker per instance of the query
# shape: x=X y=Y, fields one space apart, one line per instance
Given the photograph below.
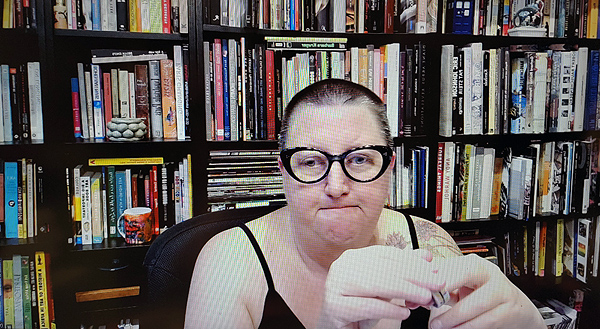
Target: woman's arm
x=221 y=285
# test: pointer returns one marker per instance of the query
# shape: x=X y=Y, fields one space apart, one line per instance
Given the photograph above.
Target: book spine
x=156 y=123
x=6 y=113
x=89 y=105
x=169 y=113
x=107 y=98
x=96 y=211
x=219 y=107
x=226 y=90
x=132 y=17
x=86 y=211
x=208 y=104
x=97 y=102
x=123 y=83
x=77 y=204
x=231 y=75
x=142 y=105
x=122 y=15
x=35 y=101
x=75 y=105
x=166 y=16
x=179 y=91
x=42 y=290
x=17 y=288
x=34 y=294
x=9 y=302
x=111 y=192
x=271 y=106
x=15 y=106
x=27 y=302
x=11 y=199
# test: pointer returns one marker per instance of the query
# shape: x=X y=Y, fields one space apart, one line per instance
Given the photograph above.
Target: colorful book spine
x=112 y=201
x=86 y=208
x=97 y=102
x=17 y=288
x=168 y=99
x=226 y=104
x=96 y=211
x=9 y=301
x=11 y=184
x=42 y=290
x=218 y=99
x=76 y=109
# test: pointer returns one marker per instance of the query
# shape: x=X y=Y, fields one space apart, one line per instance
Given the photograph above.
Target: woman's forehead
x=334 y=124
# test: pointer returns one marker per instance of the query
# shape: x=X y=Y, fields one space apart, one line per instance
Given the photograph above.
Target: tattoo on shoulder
x=397 y=240
x=432 y=239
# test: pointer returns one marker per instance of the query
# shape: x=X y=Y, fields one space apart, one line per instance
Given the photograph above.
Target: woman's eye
x=311 y=162
x=358 y=160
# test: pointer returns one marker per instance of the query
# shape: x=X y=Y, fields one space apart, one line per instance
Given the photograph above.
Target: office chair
x=170 y=261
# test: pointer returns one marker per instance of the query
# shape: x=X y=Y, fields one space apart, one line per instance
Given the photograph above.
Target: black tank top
x=277 y=314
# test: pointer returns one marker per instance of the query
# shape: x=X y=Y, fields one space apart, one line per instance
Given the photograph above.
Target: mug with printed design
x=135 y=225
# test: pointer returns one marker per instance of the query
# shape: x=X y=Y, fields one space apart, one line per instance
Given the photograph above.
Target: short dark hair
x=336 y=92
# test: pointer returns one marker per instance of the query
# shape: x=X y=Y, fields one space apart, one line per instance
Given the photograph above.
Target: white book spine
x=487 y=182
x=6 y=112
x=224 y=13
x=393 y=83
x=89 y=103
x=86 y=209
x=448 y=181
x=71 y=16
x=177 y=183
x=233 y=92
x=376 y=69
x=145 y=12
x=184 y=16
x=467 y=116
x=574 y=64
x=112 y=15
x=339 y=16
x=596 y=249
x=565 y=84
x=580 y=88
x=97 y=102
x=477 y=88
x=82 y=101
x=131 y=84
x=86 y=9
x=31 y=227
x=583 y=234
x=124 y=109
x=179 y=101
x=354 y=61
x=445 y=128
x=552 y=20
x=1 y=110
x=185 y=190
x=360 y=16
x=539 y=94
x=17 y=291
x=155 y=99
x=244 y=75
x=421 y=21
x=104 y=15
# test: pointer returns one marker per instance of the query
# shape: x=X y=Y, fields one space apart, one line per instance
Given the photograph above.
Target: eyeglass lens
x=362 y=165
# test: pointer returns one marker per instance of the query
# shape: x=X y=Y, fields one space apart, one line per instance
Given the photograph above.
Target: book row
x=21 y=119
x=245 y=96
x=121 y=84
x=499 y=91
x=561 y=247
x=153 y=16
x=409 y=178
x=99 y=194
x=556 y=314
x=21 y=194
x=550 y=178
x=361 y=16
x=26 y=297
x=18 y=14
x=244 y=176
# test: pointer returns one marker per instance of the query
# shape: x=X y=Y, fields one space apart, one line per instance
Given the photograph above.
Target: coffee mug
x=135 y=225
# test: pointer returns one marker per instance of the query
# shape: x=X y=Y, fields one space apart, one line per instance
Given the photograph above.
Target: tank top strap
x=261 y=256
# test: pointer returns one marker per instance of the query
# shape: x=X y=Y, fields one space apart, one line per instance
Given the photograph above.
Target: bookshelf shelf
x=120 y=35
x=111 y=244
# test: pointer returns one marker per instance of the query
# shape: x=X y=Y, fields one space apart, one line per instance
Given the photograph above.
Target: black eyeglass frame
x=386 y=153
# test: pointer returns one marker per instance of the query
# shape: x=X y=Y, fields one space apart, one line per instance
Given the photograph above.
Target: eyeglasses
x=362 y=164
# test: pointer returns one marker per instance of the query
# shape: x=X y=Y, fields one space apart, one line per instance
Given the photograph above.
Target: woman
x=334 y=257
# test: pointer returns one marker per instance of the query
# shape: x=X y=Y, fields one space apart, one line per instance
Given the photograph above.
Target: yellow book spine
x=9 y=302
x=464 y=210
x=592 y=32
x=8 y=14
x=190 y=189
x=42 y=289
x=525 y=248
x=125 y=161
x=133 y=27
x=560 y=240
x=168 y=99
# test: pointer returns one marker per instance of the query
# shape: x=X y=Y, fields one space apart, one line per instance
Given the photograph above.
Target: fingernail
x=436 y=324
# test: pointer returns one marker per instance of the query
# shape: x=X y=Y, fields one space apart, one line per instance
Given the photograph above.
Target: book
x=168 y=99
x=97 y=226
x=11 y=184
x=179 y=91
x=86 y=208
x=42 y=290
x=9 y=301
x=142 y=101
x=104 y=56
x=155 y=93
x=111 y=193
x=35 y=101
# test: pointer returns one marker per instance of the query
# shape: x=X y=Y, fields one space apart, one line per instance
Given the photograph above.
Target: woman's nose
x=336 y=181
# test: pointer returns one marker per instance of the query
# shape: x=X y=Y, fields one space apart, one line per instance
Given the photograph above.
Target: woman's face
x=336 y=210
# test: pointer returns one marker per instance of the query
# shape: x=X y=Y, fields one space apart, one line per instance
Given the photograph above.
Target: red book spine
x=270 y=95
x=107 y=98
x=134 y=191
x=166 y=16
x=154 y=190
x=439 y=183
x=218 y=59
x=76 y=110
x=388 y=26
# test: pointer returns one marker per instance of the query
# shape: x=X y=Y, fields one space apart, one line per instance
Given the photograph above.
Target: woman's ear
x=280 y=164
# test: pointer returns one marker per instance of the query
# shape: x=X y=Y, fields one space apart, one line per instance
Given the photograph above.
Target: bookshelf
x=114 y=264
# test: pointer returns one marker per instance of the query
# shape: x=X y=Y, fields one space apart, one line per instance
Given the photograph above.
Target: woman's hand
x=483 y=297
x=364 y=286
